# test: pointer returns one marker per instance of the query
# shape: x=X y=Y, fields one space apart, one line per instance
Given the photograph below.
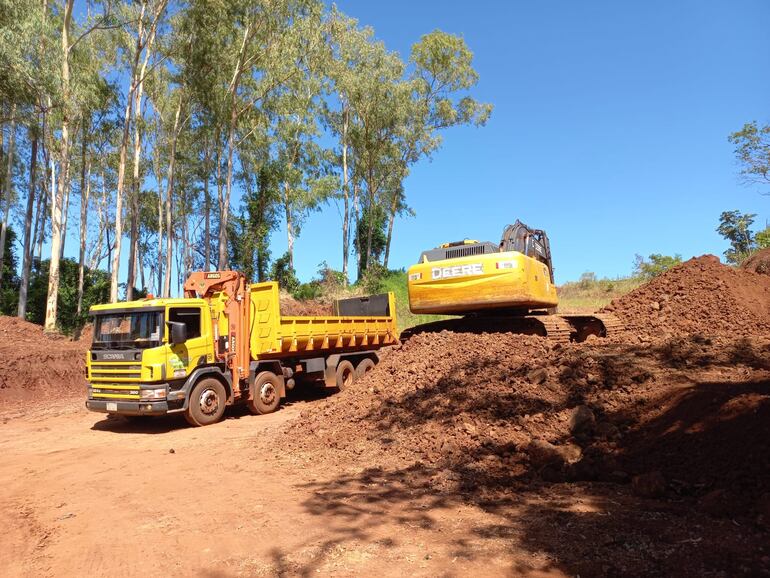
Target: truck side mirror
x=177 y=332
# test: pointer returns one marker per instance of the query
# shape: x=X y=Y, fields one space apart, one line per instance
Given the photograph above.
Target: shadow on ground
x=708 y=439
x=300 y=396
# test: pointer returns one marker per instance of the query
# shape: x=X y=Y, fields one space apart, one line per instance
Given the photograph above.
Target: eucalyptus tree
x=752 y=151
x=57 y=200
x=29 y=80
x=441 y=75
x=352 y=52
x=142 y=21
x=301 y=160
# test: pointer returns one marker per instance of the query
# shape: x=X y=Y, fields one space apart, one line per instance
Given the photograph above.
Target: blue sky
x=609 y=129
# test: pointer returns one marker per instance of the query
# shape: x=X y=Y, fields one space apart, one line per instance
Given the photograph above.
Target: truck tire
x=364 y=367
x=207 y=402
x=266 y=397
x=345 y=375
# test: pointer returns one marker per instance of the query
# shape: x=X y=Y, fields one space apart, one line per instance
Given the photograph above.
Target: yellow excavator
x=505 y=287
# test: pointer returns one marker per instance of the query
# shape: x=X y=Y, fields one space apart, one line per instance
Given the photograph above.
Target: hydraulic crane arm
x=232 y=348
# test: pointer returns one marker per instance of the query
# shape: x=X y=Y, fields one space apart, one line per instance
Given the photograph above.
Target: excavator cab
x=530 y=242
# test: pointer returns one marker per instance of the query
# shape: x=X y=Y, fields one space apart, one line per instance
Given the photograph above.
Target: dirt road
x=86 y=495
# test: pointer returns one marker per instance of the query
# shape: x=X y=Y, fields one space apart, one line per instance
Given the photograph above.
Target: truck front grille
x=115 y=371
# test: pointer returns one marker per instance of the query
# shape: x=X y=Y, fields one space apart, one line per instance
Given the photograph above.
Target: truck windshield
x=128 y=330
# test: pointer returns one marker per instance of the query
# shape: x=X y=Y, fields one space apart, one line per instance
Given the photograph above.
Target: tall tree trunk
x=354 y=225
x=345 y=194
x=289 y=224
x=225 y=205
x=123 y=153
x=169 y=197
x=140 y=266
x=85 y=193
x=134 y=236
x=42 y=211
x=115 y=267
x=391 y=219
x=26 y=264
x=65 y=208
x=101 y=217
x=206 y=209
x=8 y=191
x=57 y=201
x=224 y=216
x=220 y=191
x=370 y=219
x=159 y=182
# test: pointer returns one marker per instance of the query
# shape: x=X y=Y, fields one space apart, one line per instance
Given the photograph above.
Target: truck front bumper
x=128 y=407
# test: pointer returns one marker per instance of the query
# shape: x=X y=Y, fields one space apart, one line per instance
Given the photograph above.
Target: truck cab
x=143 y=353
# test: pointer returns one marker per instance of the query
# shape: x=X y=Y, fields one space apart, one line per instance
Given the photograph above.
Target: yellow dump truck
x=226 y=342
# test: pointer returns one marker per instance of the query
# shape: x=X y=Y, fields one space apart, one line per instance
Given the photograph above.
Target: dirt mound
x=490 y=413
x=35 y=366
x=293 y=307
x=699 y=296
x=759 y=262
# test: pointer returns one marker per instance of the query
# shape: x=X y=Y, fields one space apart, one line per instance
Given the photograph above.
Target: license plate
x=112 y=406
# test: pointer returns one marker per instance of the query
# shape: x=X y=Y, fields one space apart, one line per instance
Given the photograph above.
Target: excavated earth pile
x=699 y=296
x=676 y=411
x=35 y=366
x=759 y=262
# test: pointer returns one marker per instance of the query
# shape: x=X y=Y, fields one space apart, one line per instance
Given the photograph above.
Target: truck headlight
x=159 y=393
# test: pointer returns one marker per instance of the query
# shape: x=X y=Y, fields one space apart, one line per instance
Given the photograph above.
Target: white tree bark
x=58 y=200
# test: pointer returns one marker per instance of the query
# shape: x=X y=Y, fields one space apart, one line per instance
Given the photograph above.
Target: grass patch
x=396 y=281
x=590 y=294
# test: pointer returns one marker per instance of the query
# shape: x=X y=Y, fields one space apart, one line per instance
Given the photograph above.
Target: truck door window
x=190 y=316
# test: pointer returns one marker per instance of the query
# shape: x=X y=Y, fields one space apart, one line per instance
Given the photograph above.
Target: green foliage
x=308 y=291
x=372 y=278
x=752 y=149
x=96 y=289
x=762 y=238
x=9 y=290
x=250 y=231
x=654 y=265
x=284 y=274
x=396 y=281
x=375 y=218
x=736 y=228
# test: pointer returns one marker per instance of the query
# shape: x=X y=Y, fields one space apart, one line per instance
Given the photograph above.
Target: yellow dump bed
x=274 y=336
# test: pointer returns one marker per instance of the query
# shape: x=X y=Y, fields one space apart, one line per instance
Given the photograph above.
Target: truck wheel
x=345 y=374
x=266 y=397
x=207 y=402
x=364 y=367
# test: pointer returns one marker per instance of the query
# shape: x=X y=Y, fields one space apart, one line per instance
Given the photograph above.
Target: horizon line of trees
x=135 y=126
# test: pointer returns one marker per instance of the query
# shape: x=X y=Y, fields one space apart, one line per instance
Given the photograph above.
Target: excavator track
x=612 y=325
x=558 y=328
x=597 y=324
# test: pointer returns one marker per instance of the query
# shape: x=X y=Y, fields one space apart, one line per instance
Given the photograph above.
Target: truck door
x=184 y=357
